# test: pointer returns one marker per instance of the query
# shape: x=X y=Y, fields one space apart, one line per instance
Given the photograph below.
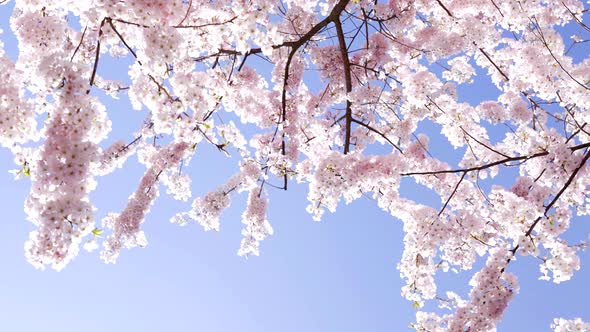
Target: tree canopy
x=333 y=94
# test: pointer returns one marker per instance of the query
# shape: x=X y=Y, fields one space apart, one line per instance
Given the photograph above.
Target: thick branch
x=495 y=163
x=347 y=81
x=445 y=8
x=97 y=55
x=494 y=64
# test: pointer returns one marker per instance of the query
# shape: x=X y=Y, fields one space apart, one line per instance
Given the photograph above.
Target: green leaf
x=97 y=231
x=416 y=305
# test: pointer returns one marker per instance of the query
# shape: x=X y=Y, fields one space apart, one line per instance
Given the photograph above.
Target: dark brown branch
x=587 y=28
x=188 y=10
x=565 y=186
x=97 y=55
x=452 y=193
x=378 y=133
x=122 y=39
x=554 y=200
x=494 y=64
x=495 y=163
x=347 y=81
x=544 y=42
x=498 y=8
x=295 y=45
x=445 y=8
x=130 y=23
x=205 y=24
x=483 y=144
x=79 y=44
x=161 y=88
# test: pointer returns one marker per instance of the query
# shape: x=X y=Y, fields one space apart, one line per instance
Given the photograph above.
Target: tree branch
x=347 y=80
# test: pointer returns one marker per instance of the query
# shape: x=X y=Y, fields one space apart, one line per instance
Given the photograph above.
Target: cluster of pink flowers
x=207 y=209
x=257 y=227
x=492 y=290
x=570 y=325
x=61 y=180
x=126 y=226
x=150 y=12
x=17 y=118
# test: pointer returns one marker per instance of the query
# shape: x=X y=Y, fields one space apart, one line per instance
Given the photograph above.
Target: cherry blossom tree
x=337 y=91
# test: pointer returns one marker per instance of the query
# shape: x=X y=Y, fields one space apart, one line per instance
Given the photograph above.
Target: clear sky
x=336 y=275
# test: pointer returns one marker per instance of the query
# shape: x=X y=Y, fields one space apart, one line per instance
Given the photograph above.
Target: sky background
x=336 y=275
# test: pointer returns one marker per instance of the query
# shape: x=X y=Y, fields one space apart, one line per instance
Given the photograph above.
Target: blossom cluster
x=126 y=225
x=570 y=325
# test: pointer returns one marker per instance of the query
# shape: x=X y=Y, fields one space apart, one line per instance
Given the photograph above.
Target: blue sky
x=336 y=275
